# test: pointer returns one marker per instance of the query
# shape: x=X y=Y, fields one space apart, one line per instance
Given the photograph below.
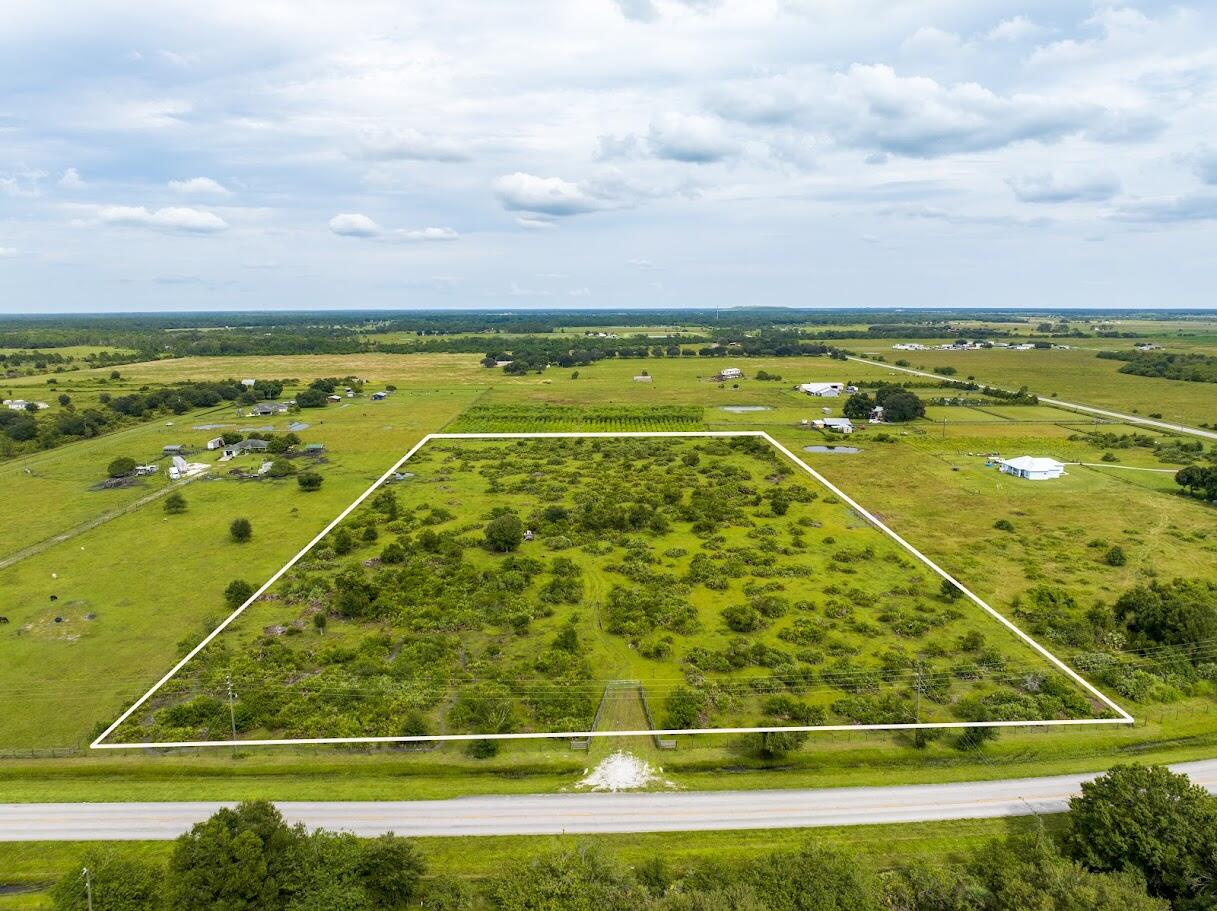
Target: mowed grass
x=153 y=583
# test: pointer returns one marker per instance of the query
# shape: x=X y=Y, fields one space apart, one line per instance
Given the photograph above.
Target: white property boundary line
x=1124 y=717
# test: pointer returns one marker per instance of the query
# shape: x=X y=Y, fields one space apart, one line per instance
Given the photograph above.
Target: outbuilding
x=1032 y=468
x=731 y=373
x=834 y=425
x=822 y=390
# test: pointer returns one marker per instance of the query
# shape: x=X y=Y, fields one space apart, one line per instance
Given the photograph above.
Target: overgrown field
x=500 y=587
x=533 y=418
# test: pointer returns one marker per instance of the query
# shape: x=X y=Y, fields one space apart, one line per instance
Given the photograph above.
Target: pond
x=833 y=450
x=209 y=426
x=745 y=409
x=297 y=426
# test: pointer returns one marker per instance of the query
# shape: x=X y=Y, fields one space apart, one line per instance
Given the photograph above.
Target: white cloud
x=8 y=251
x=1054 y=188
x=1017 y=28
x=199 y=186
x=354 y=224
x=70 y=180
x=533 y=223
x=172 y=218
x=408 y=145
x=426 y=235
x=690 y=138
x=579 y=292
x=1190 y=207
x=22 y=184
x=521 y=192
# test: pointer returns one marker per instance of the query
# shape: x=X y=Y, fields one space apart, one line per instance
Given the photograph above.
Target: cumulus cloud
x=353 y=224
x=171 y=218
x=70 y=180
x=918 y=117
x=22 y=184
x=691 y=138
x=199 y=186
x=521 y=192
x=534 y=223
x=408 y=145
x=1053 y=188
x=1017 y=28
x=638 y=10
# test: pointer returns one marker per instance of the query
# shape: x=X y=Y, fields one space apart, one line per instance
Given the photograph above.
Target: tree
x=1179 y=612
x=121 y=467
x=320 y=622
x=311 y=398
x=949 y=590
x=902 y=406
x=175 y=503
x=858 y=407
x=1115 y=556
x=64 y=399
x=309 y=480
x=118 y=882
x=1149 y=819
x=241 y=859
x=812 y=879
x=237 y=593
x=776 y=744
x=240 y=530
x=390 y=869
x=585 y=879
x=504 y=533
x=281 y=468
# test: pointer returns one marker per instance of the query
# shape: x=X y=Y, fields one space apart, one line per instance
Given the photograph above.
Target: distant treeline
x=30 y=430
x=1193 y=368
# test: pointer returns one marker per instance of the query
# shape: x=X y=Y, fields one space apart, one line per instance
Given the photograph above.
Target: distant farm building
x=314 y=449
x=144 y=470
x=174 y=450
x=379 y=396
x=642 y=378
x=248 y=382
x=1032 y=468
x=217 y=443
x=822 y=390
x=22 y=404
x=267 y=408
x=834 y=425
x=730 y=373
x=334 y=398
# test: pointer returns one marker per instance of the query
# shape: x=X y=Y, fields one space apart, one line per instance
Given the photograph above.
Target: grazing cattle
x=54 y=597
x=3 y=619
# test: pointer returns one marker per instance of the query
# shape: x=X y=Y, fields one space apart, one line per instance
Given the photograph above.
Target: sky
x=607 y=153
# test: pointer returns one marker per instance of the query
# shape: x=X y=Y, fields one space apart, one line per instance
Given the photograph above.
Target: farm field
x=1074 y=376
x=737 y=592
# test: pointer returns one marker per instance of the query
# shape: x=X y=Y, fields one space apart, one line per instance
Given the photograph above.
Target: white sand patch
x=622 y=771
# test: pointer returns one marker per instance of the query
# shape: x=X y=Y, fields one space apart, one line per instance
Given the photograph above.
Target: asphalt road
x=547 y=814
x=1070 y=406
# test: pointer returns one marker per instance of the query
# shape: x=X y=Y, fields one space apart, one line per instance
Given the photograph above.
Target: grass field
x=155 y=583
x=739 y=593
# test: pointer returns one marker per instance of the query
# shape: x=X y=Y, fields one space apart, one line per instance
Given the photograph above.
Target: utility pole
x=232 y=712
x=88 y=878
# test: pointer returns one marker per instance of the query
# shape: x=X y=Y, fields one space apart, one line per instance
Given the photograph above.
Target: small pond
x=296 y=426
x=833 y=450
x=745 y=409
x=208 y=426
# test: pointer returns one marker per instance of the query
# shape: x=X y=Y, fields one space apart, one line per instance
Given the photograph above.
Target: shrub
x=1115 y=556
x=504 y=533
x=240 y=530
x=309 y=480
x=121 y=467
x=237 y=593
x=175 y=503
x=1004 y=525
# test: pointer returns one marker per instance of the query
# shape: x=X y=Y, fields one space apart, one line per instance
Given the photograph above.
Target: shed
x=730 y=373
x=642 y=378
x=172 y=450
x=1032 y=468
x=217 y=443
x=835 y=425
x=379 y=396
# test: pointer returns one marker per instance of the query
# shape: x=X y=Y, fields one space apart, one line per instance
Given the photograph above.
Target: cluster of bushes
x=898 y=403
x=1192 y=368
x=1137 y=838
x=526 y=418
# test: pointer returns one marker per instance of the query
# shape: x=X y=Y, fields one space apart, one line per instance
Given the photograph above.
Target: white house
x=642 y=378
x=822 y=390
x=217 y=443
x=248 y=382
x=731 y=373
x=835 y=425
x=1032 y=468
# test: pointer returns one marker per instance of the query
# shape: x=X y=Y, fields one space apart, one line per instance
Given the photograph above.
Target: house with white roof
x=822 y=390
x=1032 y=468
x=835 y=425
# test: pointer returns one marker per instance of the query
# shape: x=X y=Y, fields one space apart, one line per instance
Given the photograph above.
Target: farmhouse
x=267 y=408
x=379 y=396
x=822 y=390
x=235 y=449
x=334 y=398
x=642 y=378
x=834 y=425
x=1032 y=468
x=217 y=443
x=730 y=373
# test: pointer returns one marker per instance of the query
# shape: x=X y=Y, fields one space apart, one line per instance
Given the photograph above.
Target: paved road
x=1070 y=406
x=547 y=814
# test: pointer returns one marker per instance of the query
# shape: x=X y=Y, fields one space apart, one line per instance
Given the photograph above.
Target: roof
x=1034 y=463
x=810 y=387
x=838 y=422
